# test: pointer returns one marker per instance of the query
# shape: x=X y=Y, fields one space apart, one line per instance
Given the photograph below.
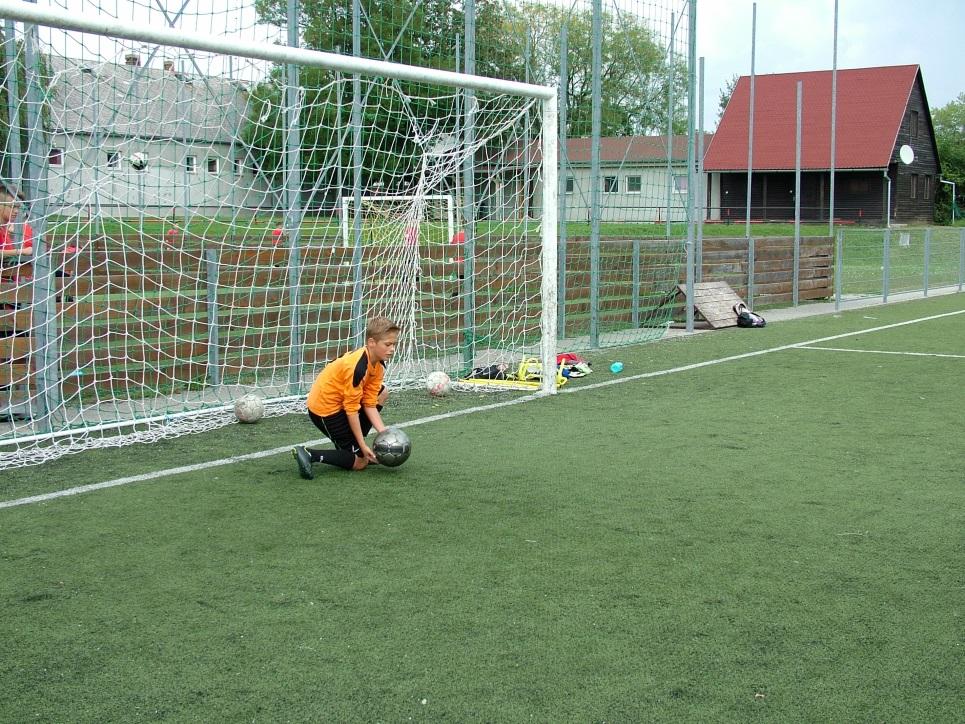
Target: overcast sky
x=797 y=35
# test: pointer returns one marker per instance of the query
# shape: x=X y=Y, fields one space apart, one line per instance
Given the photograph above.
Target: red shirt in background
x=6 y=238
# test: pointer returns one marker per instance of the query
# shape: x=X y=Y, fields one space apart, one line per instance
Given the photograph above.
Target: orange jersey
x=348 y=383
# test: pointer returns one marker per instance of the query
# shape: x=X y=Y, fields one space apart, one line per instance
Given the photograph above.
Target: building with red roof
x=879 y=112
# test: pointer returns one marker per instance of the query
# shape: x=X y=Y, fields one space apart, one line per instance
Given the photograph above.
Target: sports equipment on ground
x=250 y=408
x=138 y=161
x=616 y=368
x=392 y=447
x=438 y=383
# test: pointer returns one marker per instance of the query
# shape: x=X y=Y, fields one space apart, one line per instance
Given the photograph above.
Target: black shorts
x=337 y=429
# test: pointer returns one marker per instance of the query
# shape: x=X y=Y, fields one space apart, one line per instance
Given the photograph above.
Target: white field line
x=745 y=355
x=883 y=351
x=458 y=413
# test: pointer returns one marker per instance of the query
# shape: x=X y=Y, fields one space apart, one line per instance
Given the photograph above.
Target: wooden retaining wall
x=727 y=260
x=141 y=319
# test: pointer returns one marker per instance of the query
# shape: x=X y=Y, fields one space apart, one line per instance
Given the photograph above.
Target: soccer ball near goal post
x=250 y=408
x=392 y=447
x=138 y=161
x=438 y=383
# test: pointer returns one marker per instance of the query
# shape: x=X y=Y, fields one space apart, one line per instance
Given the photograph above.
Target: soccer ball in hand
x=391 y=447
x=249 y=408
x=138 y=161
x=438 y=383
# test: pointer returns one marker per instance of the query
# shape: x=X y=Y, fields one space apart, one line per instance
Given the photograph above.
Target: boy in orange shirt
x=346 y=399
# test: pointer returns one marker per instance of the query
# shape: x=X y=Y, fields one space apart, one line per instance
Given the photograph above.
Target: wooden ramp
x=714 y=301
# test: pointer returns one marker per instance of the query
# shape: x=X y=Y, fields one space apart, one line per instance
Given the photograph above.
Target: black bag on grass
x=747 y=318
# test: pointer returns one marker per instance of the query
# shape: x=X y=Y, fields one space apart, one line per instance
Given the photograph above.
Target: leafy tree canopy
x=634 y=75
x=949 y=123
x=518 y=41
x=725 y=93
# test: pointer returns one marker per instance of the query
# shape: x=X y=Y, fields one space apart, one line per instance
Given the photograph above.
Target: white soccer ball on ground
x=438 y=383
x=138 y=161
x=250 y=408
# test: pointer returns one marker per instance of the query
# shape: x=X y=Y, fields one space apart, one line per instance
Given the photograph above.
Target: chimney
x=169 y=66
x=132 y=59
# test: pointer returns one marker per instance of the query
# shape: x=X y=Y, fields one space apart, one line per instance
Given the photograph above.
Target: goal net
x=187 y=219
x=433 y=216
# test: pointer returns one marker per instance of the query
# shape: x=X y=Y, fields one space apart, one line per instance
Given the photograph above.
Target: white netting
x=200 y=227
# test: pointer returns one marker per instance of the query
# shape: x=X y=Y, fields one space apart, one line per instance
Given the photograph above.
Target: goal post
x=234 y=275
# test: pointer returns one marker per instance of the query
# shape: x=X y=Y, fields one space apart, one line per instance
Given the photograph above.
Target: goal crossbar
x=30 y=13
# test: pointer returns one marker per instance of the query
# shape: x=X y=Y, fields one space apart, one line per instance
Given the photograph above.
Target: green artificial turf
x=772 y=538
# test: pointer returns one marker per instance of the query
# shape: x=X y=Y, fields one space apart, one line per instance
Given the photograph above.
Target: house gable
x=871 y=104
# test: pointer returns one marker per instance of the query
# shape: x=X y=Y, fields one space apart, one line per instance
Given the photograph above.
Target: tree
x=634 y=72
x=512 y=41
x=725 y=93
x=949 y=123
x=417 y=32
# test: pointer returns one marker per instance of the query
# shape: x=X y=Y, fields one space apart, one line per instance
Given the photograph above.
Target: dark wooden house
x=878 y=111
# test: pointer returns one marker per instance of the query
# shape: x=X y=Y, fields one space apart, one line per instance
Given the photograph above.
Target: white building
x=187 y=127
x=637 y=183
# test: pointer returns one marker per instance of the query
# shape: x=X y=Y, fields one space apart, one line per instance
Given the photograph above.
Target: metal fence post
x=796 y=273
x=211 y=275
x=293 y=213
x=927 y=256
x=961 y=259
x=635 y=294
x=561 y=198
x=690 y=284
x=595 y=180
x=469 y=191
x=44 y=319
x=838 y=268
x=886 y=266
x=750 y=272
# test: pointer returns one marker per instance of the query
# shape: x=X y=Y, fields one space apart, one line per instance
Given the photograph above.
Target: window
x=56 y=157
x=914 y=186
x=680 y=184
x=212 y=165
x=913 y=130
x=610 y=184
x=237 y=167
x=569 y=184
x=926 y=187
x=191 y=164
x=634 y=185
x=113 y=159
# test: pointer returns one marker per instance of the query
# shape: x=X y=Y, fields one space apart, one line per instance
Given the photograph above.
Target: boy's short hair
x=379 y=328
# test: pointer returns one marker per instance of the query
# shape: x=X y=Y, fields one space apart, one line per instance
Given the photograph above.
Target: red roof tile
x=871 y=105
